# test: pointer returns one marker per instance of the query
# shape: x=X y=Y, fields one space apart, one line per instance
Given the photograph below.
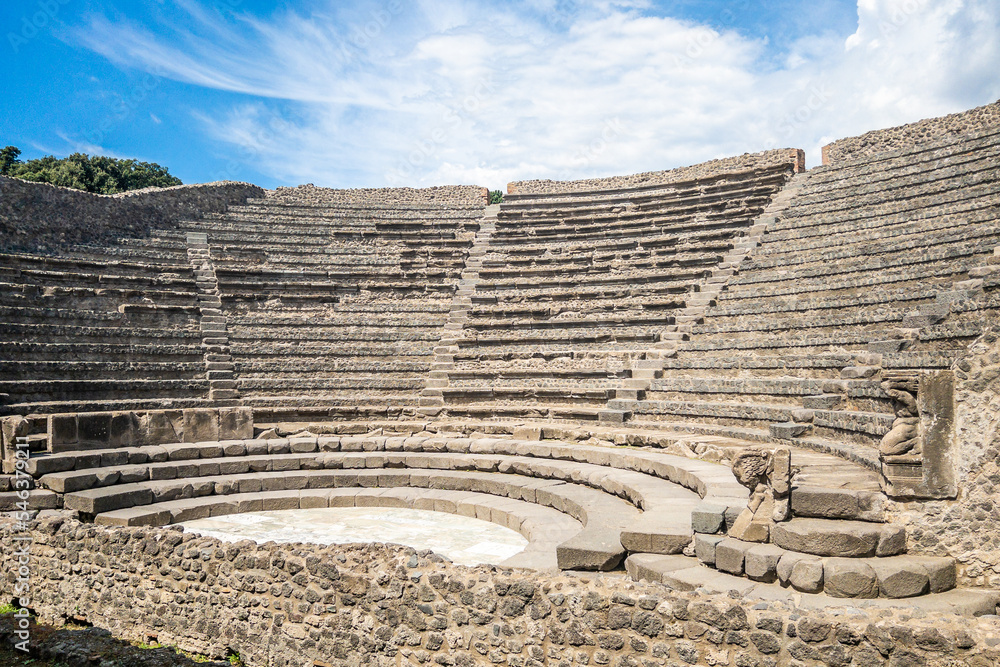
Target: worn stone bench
x=597 y=546
x=543 y=527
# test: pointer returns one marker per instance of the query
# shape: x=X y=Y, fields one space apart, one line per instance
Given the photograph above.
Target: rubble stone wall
x=445 y=195
x=791 y=156
x=913 y=134
x=304 y=605
x=966 y=528
x=44 y=218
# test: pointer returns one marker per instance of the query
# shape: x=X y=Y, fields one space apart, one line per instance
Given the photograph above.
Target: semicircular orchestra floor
x=461 y=539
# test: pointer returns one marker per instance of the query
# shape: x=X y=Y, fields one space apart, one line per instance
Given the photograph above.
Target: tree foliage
x=496 y=196
x=8 y=158
x=97 y=174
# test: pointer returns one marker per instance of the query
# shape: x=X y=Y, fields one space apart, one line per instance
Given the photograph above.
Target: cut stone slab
x=941 y=572
x=826 y=503
x=730 y=555
x=822 y=401
x=761 y=562
x=859 y=372
x=788 y=430
x=844 y=539
x=850 y=578
x=652 y=567
x=708 y=518
x=900 y=576
x=704 y=547
x=807 y=575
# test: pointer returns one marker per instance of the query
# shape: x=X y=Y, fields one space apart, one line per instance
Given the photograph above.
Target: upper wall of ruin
x=791 y=156
x=44 y=218
x=444 y=195
x=907 y=136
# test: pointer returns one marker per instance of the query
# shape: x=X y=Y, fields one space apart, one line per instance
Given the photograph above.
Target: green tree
x=98 y=174
x=496 y=196
x=8 y=158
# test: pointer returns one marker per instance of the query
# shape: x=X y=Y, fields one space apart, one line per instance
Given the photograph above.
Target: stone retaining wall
x=966 y=528
x=908 y=136
x=44 y=218
x=745 y=162
x=381 y=605
x=444 y=195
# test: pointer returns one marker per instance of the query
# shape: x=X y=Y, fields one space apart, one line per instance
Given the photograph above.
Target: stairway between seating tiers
x=876 y=270
x=567 y=290
x=602 y=354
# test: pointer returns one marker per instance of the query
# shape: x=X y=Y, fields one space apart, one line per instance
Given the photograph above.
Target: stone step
x=891 y=576
x=686 y=574
x=848 y=539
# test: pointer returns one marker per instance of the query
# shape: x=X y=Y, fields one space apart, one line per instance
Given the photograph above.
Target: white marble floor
x=462 y=539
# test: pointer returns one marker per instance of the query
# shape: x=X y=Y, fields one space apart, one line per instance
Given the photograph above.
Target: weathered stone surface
x=837 y=538
x=708 y=518
x=761 y=562
x=900 y=576
x=850 y=578
x=704 y=546
x=730 y=555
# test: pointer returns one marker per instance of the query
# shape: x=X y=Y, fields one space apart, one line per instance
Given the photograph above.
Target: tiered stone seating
x=332 y=301
x=624 y=501
x=569 y=288
x=97 y=333
x=874 y=269
x=878 y=267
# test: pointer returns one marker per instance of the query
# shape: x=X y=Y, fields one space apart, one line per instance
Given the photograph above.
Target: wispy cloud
x=460 y=91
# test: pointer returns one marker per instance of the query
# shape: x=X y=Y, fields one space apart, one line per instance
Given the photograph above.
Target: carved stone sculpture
x=768 y=476
x=904 y=437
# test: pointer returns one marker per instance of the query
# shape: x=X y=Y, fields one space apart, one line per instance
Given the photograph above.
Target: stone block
x=94 y=428
x=822 y=401
x=201 y=424
x=704 y=547
x=801 y=572
x=900 y=576
x=889 y=346
x=527 y=433
x=708 y=518
x=941 y=573
x=730 y=555
x=781 y=478
x=803 y=416
x=761 y=562
x=614 y=416
x=859 y=372
x=850 y=578
x=807 y=575
x=788 y=430
x=124 y=429
x=851 y=539
x=62 y=430
x=160 y=427
x=235 y=423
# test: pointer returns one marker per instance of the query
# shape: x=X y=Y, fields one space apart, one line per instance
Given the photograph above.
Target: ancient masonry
x=744 y=413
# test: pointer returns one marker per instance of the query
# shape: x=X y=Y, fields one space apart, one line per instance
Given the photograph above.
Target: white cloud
x=470 y=92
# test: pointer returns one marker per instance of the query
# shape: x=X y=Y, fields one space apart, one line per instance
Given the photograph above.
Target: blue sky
x=414 y=92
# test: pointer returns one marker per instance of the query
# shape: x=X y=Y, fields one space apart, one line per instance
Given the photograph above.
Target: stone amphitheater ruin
x=744 y=413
